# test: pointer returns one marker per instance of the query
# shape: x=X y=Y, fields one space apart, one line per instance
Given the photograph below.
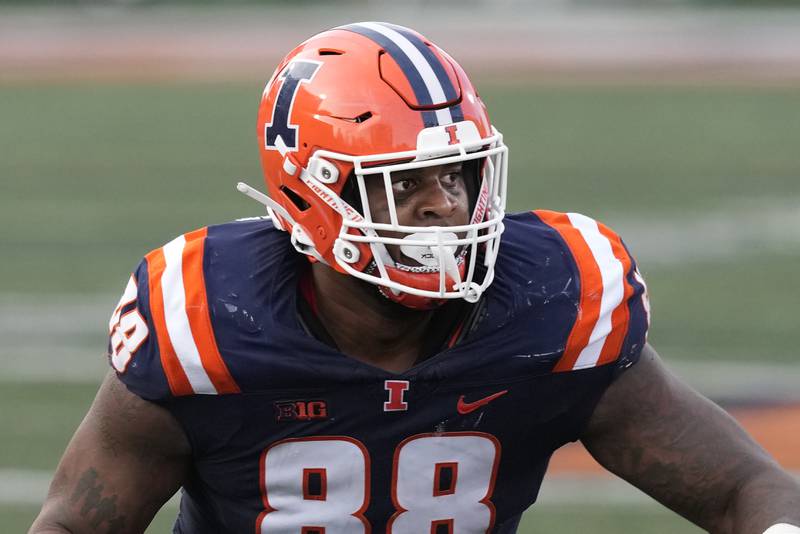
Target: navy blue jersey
x=289 y=435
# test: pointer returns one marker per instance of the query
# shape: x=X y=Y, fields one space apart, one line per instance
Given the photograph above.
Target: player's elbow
x=43 y=526
x=50 y=521
x=767 y=496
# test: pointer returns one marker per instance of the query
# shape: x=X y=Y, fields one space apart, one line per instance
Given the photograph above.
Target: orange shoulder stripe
x=197 y=311
x=590 y=280
x=176 y=377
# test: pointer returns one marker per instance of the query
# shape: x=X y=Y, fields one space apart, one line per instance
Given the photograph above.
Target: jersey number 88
x=441 y=483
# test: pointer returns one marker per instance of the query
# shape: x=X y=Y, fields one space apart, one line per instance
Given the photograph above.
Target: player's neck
x=365 y=325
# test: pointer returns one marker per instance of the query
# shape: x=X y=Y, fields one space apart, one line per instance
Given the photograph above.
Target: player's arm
x=656 y=432
x=126 y=459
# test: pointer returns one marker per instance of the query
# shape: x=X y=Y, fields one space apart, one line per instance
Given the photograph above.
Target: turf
x=640 y=150
x=732 y=311
x=38 y=420
x=574 y=519
x=19 y=518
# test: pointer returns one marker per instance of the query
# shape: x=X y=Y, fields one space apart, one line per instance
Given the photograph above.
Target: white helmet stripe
x=420 y=63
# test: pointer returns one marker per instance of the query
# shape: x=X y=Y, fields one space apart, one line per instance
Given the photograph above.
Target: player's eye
x=451 y=178
x=403 y=185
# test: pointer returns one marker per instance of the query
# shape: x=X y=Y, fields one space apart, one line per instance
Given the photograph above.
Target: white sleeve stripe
x=180 y=333
x=611 y=273
x=423 y=67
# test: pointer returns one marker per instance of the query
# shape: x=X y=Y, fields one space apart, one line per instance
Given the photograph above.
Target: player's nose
x=436 y=202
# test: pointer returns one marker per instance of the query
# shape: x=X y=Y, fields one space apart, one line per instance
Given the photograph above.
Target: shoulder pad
x=613 y=310
x=161 y=340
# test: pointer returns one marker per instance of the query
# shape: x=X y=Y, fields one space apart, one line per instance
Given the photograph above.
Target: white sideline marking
x=23 y=486
x=603 y=490
x=29 y=487
x=752 y=382
x=737 y=228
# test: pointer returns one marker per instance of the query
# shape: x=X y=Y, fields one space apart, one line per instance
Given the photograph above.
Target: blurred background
x=126 y=123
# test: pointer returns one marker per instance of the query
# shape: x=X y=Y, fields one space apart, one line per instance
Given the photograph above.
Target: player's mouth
x=413 y=266
x=422 y=258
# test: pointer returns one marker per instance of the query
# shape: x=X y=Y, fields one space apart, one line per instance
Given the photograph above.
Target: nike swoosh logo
x=464 y=407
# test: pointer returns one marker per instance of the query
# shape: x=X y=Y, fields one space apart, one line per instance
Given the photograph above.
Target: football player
x=372 y=357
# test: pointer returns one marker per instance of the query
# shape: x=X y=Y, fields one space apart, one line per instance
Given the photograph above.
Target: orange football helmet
x=360 y=102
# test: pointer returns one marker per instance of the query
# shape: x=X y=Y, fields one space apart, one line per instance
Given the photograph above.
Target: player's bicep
x=657 y=433
x=126 y=459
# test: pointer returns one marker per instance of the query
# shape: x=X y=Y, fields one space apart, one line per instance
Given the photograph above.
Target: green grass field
x=92 y=177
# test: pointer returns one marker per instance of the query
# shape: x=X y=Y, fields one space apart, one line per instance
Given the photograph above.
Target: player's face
x=429 y=196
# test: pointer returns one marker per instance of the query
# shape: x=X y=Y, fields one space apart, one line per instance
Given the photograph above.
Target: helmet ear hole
x=473 y=172
x=350 y=193
x=296 y=199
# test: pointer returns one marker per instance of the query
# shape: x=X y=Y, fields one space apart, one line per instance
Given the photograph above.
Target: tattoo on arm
x=89 y=491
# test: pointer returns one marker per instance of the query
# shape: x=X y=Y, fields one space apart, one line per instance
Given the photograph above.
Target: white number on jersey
x=321 y=484
x=444 y=481
x=127 y=332
x=314 y=484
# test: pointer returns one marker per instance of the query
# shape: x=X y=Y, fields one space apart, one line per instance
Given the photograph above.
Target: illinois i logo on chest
x=397 y=393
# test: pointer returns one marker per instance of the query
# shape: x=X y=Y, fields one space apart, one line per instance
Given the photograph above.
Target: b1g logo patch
x=279 y=134
x=301 y=410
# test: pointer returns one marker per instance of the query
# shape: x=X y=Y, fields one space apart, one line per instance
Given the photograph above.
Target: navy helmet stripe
x=450 y=92
x=429 y=119
x=458 y=114
x=406 y=65
x=449 y=89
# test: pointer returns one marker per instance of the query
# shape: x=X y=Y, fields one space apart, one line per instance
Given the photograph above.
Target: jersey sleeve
x=133 y=350
x=161 y=338
x=613 y=312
